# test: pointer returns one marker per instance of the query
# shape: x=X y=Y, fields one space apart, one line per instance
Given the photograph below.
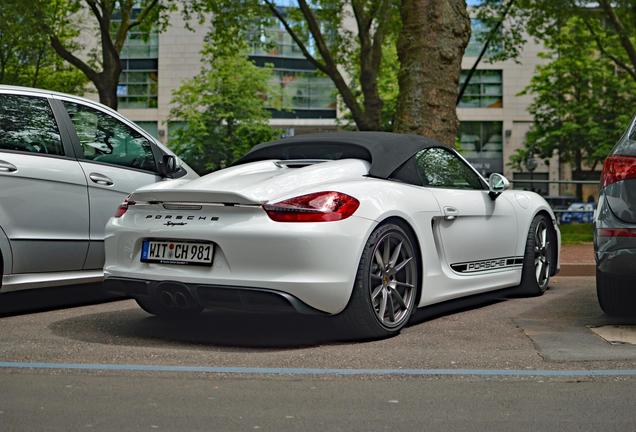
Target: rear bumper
x=620 y=262
x=217 y=297
x=315 y=263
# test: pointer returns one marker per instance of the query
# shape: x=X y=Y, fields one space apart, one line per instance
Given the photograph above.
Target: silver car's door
x=476 y=233
x=116 y=158
x=43 y=193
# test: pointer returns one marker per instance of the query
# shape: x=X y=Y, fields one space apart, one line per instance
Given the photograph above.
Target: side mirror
x=497 y=183
x=168 y=165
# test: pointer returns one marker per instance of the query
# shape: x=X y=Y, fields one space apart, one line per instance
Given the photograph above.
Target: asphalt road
x=520 y=364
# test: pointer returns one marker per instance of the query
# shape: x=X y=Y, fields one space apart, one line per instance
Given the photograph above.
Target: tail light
x=123 y=207
x=617 y=168
x=617 y=232
x=314 y=207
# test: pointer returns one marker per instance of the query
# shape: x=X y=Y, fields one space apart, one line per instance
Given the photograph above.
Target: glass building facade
x=481 y=142
x=138 y=82
x=297 y=88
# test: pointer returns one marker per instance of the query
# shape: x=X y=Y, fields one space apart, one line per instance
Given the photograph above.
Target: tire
x=616 y=296
x=383 y=289
x=539 y=252
x=154 y=307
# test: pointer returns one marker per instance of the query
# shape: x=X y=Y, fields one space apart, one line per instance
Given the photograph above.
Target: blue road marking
x=324 y=372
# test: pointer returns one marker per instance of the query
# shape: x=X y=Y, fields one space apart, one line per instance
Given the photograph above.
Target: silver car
x=66 y=163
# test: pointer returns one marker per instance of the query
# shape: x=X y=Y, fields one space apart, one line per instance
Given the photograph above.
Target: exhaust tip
x=167 y=298
x=181 y=300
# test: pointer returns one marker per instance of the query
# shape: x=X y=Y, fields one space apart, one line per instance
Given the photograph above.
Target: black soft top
x=385 y=151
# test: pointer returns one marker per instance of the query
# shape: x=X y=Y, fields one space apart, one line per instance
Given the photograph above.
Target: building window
x=140 y=45
x=138 y=81
x=301 y=90
x=297 y=89
x=482 y=144
x=483 y=91
x=273 y=40
x=479 y=31
x=137 y=86
x=149 y=126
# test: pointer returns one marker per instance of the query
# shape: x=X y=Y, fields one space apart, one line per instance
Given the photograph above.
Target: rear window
x=27 y=124
x=627 y=144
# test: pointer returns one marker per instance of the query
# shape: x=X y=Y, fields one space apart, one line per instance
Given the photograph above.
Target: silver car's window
x=105 y=139
x=440 y=168
x=27 y=124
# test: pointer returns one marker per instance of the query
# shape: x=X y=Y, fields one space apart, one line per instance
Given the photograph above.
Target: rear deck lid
x=254 y=183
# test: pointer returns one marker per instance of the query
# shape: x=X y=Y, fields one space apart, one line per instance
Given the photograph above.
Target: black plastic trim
x=64 y=126
x=247 y=298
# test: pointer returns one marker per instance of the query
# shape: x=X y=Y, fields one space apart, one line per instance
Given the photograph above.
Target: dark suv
x=615 y=229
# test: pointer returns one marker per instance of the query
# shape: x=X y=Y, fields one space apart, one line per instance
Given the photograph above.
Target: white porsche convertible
x=362 y=225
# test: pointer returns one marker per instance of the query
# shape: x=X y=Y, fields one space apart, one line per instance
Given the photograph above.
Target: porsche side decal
x=486 y=265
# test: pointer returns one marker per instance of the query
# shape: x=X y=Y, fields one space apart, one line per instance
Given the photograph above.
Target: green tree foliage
x=353 y=60
x=610 y=25
x=60 y=22
x=582 y=101
x=223 y=108
x=26 y=57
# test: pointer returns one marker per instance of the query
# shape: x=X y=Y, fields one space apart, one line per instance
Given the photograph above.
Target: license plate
x=177 y=252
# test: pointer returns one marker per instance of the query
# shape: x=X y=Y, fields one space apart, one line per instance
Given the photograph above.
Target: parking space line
x=323 y=372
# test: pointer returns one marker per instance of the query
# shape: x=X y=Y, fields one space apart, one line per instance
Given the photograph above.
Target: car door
x=116 y=159
x=477 y=233
x=43 y=192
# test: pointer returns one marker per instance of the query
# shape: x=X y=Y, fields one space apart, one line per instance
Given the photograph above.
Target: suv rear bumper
x=619 y=262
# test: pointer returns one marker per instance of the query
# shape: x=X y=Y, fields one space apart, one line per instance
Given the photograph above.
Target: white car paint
x=317 y=262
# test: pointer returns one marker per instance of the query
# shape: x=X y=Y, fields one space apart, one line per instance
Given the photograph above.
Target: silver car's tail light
x=315 y=207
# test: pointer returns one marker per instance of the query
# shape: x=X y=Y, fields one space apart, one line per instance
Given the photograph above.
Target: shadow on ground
x=46 y=299
x=229 y=330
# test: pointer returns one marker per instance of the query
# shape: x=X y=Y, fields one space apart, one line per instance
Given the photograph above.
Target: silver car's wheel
x=386 y=287
x=393 y=275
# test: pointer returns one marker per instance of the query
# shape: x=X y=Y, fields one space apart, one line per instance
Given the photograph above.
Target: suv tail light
x=314 y=207
x=617 y=232
x=123 y=207
x=617 y=168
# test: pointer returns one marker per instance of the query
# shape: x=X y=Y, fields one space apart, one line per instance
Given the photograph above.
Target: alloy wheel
x=393 y=276
x=541 y=258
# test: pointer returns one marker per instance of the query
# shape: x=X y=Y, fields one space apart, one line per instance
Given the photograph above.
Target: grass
x=576 y=233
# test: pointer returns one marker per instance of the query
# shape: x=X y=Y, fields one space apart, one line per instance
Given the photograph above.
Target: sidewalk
x=577 y=260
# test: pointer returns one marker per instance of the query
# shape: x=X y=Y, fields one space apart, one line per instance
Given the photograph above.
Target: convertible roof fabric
x=385 y=151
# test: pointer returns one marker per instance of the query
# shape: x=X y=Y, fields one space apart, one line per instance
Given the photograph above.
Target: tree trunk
x=107 y=90
x=430 y=48
x=372 y=101
x=107 y=80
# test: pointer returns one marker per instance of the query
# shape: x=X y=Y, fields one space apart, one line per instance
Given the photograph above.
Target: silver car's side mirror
x=168 y=165
x=497 y=183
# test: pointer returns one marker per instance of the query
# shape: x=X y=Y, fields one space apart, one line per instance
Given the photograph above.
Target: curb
x=577 y=270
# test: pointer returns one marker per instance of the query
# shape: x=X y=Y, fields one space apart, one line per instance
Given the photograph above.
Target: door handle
x=450 y=213
x=101 y=179
x=7 y=167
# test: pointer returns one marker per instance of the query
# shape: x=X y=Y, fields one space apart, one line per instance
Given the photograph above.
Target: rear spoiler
x=192 y=196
